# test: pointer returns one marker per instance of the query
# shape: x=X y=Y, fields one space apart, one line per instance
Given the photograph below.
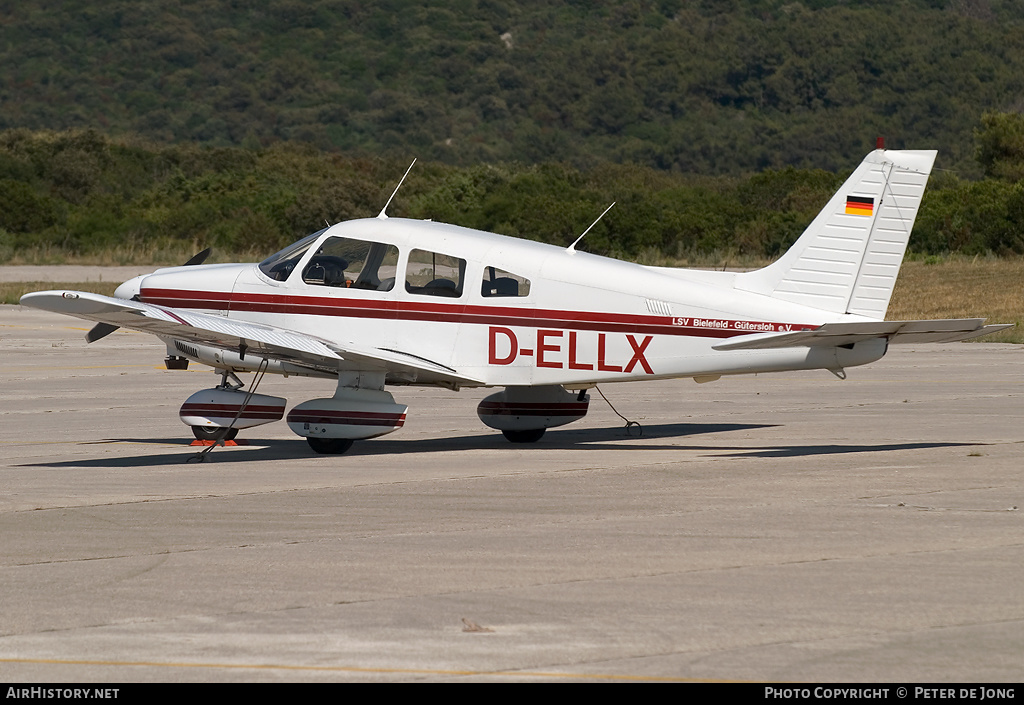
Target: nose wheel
x=214 y=433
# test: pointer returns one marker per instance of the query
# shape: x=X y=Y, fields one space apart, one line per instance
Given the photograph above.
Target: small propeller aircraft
x=386 y=301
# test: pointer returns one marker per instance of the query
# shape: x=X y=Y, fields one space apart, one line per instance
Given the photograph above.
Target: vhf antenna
x=382 y=215
x=571 y=249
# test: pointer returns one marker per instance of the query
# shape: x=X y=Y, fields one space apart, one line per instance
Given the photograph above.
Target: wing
x=255 y=339
x=832 y=334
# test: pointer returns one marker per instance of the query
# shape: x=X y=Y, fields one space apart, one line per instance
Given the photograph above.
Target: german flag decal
x=859 y=205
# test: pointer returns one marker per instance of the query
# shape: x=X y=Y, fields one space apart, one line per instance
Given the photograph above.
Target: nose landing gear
x=214 y=433
x=217 y=414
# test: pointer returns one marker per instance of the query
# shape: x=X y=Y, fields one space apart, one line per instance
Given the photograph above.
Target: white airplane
x=387 y=301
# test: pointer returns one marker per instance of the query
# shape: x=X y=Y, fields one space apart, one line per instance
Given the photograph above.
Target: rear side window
x=498 y=282
x=434 y=274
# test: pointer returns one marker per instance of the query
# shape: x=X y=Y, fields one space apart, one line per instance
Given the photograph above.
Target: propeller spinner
x=102 y=330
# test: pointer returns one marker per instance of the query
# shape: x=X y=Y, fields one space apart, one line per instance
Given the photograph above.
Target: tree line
x=83 y=193
x=692 y=86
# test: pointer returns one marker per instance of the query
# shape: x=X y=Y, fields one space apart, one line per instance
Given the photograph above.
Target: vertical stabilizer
x=848 y=258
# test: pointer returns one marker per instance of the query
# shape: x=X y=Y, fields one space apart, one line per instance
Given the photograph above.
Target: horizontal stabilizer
x=834 y=334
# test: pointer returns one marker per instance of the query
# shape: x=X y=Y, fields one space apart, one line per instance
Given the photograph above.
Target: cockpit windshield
x=280 y=264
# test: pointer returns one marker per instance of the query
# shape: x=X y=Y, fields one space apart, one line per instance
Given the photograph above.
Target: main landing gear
x=217 y=414
x=522 y=414
x=360 y=408
x=329 y=446
x=531 y=436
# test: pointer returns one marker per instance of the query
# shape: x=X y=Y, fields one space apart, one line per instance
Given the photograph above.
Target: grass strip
x=11 y=292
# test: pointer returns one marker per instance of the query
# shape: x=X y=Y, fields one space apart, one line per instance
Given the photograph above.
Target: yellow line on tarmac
x=76 y=367
x=95 y=367
x=357 y=669
x=184 y=443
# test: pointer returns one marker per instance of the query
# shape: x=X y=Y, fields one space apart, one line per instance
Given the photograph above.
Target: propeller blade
x=199 y=258
x=100 y=330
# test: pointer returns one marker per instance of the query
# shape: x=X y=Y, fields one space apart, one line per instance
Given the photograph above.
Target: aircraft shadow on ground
x=605 y=439
x=609 y=438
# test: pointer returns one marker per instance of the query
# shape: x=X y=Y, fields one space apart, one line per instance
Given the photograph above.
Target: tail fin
x=848 y=258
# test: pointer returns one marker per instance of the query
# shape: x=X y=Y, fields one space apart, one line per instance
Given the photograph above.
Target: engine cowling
x=530 y=408
x=218 y=407
x=222 y=359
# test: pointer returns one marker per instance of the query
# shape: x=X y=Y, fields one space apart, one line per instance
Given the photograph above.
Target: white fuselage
x=582 y=320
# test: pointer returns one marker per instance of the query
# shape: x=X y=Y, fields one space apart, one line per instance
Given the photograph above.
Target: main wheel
x=329 y=446
x=531 y=436
x=214 y=433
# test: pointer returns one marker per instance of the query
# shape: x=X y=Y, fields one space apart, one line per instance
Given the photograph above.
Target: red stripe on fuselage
x=460 y=313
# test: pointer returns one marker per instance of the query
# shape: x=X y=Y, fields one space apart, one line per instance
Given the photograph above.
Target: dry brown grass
x=10 y=292
x=156 y=256
x=963 y=288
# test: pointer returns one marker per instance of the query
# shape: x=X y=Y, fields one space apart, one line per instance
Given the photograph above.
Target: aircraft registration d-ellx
x=385 y=301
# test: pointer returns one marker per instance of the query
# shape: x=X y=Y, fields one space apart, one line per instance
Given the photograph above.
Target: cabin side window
x=356 y=264
x=434 y=274
x=498 y=282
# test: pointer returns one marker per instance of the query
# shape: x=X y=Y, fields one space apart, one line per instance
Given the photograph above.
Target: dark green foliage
x=1001 y=145
x=711 y=87
x=972 y=218
x=81 y=193
x=22 y=210
x=787 y=200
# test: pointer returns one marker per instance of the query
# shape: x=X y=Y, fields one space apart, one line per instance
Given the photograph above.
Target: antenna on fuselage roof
x=571 y=249
x=382 y=215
